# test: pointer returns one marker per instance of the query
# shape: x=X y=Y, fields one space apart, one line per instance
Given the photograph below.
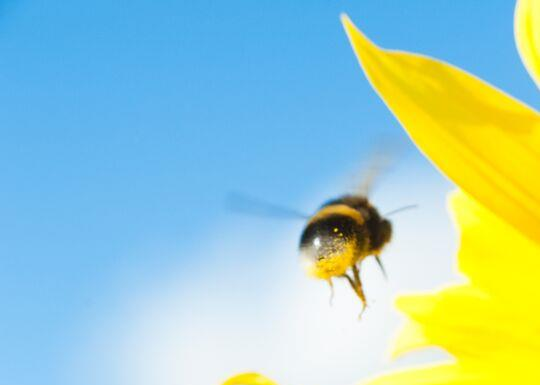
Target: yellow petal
x=249 y=379
x=410 y=337
x=457 y=374
x=494 y=256
x=474 y=327
x=492 y=322
x=447 y=374
x=484 y=140
x=527 y=34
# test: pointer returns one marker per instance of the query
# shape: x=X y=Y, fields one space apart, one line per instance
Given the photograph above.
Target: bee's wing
x=244 y=204
x=379 y=163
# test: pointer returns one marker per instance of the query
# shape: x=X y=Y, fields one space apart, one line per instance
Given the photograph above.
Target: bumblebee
x=339 y=236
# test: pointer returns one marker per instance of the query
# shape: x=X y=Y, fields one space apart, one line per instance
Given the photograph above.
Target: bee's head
x=330 y=244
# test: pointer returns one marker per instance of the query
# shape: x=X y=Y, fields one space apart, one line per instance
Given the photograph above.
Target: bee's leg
x=356 y=285
x=379 y=262
x=358 y=289
x=331 y=284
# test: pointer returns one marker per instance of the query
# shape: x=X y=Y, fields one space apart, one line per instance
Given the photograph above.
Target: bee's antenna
x=398 y=210
x=244 y=204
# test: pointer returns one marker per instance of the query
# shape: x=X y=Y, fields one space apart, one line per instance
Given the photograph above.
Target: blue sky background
x=125 y=123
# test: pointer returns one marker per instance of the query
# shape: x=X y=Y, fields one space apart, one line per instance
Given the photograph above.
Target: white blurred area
x=246 y=305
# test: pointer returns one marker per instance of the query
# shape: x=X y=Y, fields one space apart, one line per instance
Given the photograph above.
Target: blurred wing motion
x=378 y=164
x=244 y=204
x=381 y=159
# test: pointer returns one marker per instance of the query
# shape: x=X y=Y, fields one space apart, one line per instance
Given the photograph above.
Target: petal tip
x=359 y=41
x=348 y=25
x=345 y=20
x=526 y=33
x=250 y=378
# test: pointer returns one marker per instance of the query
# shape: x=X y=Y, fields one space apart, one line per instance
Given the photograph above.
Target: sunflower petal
x=458 y=315
x=495 y=256
x=527 y=34
x=459 y=373
x=483 y=139
x=249 y=379
x=444 y=374
x=410 y=337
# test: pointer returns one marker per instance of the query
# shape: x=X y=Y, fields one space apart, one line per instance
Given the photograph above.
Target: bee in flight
x=339 y=236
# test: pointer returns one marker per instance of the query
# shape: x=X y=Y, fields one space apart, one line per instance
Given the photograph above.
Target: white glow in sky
x=254 y=309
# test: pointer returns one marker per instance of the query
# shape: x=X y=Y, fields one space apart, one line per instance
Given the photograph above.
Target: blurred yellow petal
x=527 y=33
x=249 y=379
x=410 y=337
x=446 y=374
x=491 y=324
x=491 y=250
x=484 y=140
x=454 y=317
x=457 y=374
